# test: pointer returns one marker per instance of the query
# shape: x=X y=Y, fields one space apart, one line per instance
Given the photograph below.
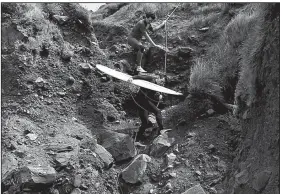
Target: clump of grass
x=202 y=79
x=250 y=56
x=207 y=9
x=238 y=29
x=200 y=21
x=219 y=76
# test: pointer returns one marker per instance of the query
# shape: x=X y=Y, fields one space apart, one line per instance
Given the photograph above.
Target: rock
x=85 y=51
x=242 y=177
x=76 y=191
x=114 y=48
x=97 y=185
x=40 y=80
x=160 y=145
x=170 y=158
x=211 y=147
x=191 y=134
x=63 y=159
x=77 y=180
x=32 y=176
x=110 y=113
x=104 y=79
x=195 y=190
x=89 y=142
x=198 y=173
x=67 y=55
x=55 y=191
x=9 y=164
x=168 y=186
x=86 y=67
x=260 y=180
x=71 y=80
x=210 y=112
x=11 y=146
x=121 y=146
x=172 y=174
x=75 y=120
x=104 y=155
x=32 y=136
x=204 y=29
x=66 y=52
x=136 y=169
x=117 y=122
x=62 y=94
x=20 y=153
x=185 y=52
x=213 y=190
x=60 y=19
x=57 y=148
x=146 y=188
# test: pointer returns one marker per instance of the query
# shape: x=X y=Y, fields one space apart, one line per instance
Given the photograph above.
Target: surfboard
x=142 y=83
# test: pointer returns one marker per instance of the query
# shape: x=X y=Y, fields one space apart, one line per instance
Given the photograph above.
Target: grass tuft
x=217 y=74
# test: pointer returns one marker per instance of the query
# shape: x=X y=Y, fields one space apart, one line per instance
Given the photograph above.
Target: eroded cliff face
x=256 y=166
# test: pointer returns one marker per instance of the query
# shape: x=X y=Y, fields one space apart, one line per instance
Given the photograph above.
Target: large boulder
x=121 y=146
x=136 y=169
x=34 y=178
x=104 y=155
x=160 y=145
x=195 y=190
x=9 y=163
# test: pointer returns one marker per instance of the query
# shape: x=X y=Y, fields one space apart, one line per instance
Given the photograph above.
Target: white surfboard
x=138 y=82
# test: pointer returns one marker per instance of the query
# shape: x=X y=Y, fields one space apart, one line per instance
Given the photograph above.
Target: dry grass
x=199 y=21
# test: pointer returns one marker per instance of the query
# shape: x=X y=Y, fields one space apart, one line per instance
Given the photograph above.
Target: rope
x=117 y=180
x=166 y=35
x=173 y=11
x=134 y=140
x=149 y=97
x=165 y=47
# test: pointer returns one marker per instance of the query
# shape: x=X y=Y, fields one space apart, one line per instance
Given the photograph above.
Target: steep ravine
x=67 y=127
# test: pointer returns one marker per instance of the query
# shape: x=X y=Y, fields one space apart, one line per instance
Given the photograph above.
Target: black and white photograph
x=140 y=97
